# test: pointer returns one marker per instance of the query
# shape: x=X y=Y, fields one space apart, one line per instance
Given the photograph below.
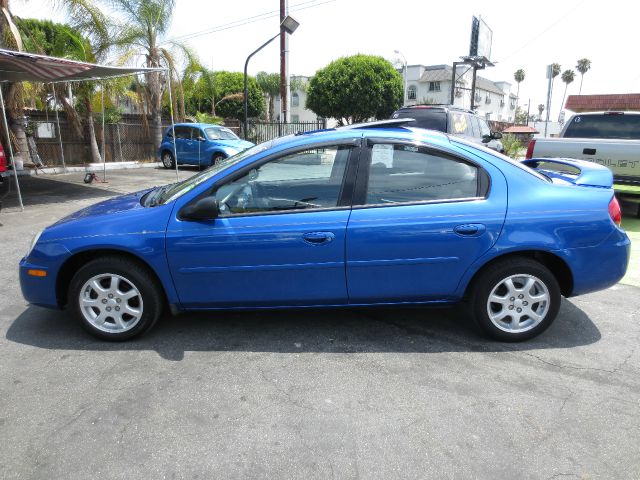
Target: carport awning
x=20 y=66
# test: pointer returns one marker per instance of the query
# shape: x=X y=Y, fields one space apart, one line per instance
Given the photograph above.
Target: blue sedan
x=199 y=144
x=372 y=214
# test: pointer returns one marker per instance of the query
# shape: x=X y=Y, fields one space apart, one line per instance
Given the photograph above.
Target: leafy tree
x=229 y=89
x=583 y=66
x=87 y=38
x=58 y=40
x=520 y=115
x=354 y=89
x=567 y=77
x=518 y=76
x=540 y=110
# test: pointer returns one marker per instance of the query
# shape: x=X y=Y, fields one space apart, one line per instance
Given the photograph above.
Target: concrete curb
x=91 y=167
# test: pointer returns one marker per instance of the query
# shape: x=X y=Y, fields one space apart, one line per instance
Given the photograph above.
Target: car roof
x=201 y=125
x=380 y=129
x=452 y=108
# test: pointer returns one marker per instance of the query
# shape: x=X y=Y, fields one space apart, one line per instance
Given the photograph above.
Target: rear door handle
x=470 y=229
x=589 y=151
x=318 y=238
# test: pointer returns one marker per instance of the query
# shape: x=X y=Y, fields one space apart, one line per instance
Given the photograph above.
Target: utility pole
x=549 y=86
x=283 y=64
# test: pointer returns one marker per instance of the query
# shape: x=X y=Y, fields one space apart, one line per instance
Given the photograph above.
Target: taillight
x=614 y=211
x=532 y=144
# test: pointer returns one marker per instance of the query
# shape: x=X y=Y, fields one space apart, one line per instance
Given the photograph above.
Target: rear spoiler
x=590 y=174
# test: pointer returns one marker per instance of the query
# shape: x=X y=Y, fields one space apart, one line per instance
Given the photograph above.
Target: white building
x=297 y=103
x=432 y=85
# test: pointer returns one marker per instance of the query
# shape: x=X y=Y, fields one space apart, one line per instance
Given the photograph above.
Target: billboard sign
x=481 y=37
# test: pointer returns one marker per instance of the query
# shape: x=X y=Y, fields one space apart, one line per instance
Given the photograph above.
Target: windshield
x=220 y=134
x=176 y=190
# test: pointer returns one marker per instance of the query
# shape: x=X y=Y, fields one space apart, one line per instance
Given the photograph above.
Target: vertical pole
x=246 y=97
x=13 y=163
x=404 y=102
x=528 y=107
x=173 y=125
x=104 y=158
x=283 y=62
x=55 y=107
x=473 y=87
x=549 y=84
x=453 y=82
x=287 y=93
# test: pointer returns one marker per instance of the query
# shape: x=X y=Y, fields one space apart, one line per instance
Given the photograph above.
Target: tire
x=167 y=160
x=217 y=158
x=527 y=299
x=115 y=298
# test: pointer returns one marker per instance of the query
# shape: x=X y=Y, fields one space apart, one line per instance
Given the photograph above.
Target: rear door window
x=408 y=174
x=604 y=126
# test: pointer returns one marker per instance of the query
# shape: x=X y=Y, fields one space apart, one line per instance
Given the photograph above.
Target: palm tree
x=518 y=76
x=555 y=71
x=97 y=38
x=13 y=92
x=567 y=77
x=146 y=23
x=269 y=83
x=540 y=110
x=583 y=66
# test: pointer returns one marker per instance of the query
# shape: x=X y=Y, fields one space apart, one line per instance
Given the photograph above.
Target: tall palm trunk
x=15 y=111
x=517 y=101
x=581 y=78
x=91 y=131
x=73 y=117
x=10 y=38
x=566 y=85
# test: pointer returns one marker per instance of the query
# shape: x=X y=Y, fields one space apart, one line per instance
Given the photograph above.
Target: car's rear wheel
x=217 y=158
x=115 y=298
x=515 y=299
x=167 y=159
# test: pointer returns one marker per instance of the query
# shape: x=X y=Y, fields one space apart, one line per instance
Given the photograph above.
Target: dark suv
x=453 y=120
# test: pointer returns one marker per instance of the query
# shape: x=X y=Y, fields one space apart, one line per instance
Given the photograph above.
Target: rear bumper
x=599 y=267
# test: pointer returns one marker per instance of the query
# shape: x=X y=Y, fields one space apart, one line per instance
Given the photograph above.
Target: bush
x=511 y=145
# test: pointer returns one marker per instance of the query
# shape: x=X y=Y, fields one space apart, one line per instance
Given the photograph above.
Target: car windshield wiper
x=156 y=196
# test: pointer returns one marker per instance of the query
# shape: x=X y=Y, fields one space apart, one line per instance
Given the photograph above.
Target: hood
x=122 y=203
x=237 y=144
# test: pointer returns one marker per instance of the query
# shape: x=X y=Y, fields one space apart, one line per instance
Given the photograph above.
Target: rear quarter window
x=619 y=126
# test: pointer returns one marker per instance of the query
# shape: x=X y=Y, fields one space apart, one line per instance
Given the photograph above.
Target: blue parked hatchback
x=200 y=144
x=375 y=214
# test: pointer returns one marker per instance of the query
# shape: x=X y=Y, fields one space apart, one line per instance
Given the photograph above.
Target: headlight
x=33 y=242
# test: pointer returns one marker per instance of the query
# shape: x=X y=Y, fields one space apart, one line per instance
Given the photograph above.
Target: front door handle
x=318 y=238
x=470 y=229
x=589 y=151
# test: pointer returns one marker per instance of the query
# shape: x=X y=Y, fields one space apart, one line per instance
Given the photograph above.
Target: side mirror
x=486 y=138
x=496 y=135
x=204 y=209
x=200 y=139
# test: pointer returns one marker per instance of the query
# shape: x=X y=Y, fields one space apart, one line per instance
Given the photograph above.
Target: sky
x=527 y=35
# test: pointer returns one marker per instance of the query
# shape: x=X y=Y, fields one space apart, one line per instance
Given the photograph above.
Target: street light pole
x=404 y=75
x=289 y=24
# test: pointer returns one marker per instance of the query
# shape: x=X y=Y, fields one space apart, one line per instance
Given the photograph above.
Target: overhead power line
x=256 y=18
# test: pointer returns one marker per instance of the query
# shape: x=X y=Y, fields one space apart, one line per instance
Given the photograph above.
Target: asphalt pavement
x=344 y=394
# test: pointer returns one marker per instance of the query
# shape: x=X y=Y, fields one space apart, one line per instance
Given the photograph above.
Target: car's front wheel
x=217 y=158
x=168 y=160
x=115 y=298
x=515 y=299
